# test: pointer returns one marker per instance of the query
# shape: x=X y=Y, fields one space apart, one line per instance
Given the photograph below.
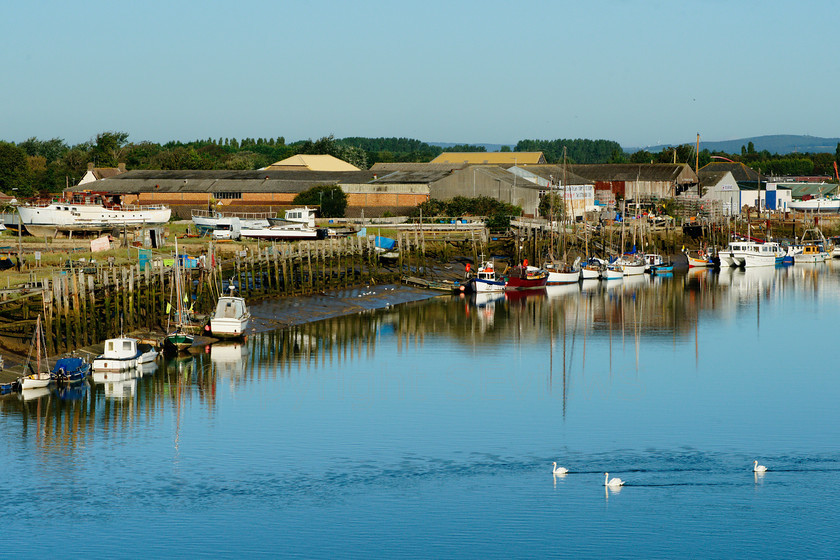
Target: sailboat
x=178 y=340
x=41 y=376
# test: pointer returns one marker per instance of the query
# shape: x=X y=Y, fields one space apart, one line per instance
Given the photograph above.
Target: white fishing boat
x=737 y=250
x=769 y=253
x=485 y=280
x=613 y=272
x=231 y=317
x=121 y=355
x=57 y=218
x=699 y=259
x=814 y=248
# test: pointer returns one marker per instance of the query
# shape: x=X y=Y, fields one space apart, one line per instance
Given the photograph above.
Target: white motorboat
x=737 y=251
x=65 y=217
x=207 y=222
x=652 y=260
x=291 y=232
x=231 y=318
x=769 y=253
x=122 y=355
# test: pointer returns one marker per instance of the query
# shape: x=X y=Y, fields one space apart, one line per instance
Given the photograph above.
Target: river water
x=428 y=429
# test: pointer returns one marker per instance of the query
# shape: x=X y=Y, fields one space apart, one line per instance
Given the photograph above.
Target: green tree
x=330 y=198
x=465 y=148
x=108 y=148
x=551 y=206
x=14 y=171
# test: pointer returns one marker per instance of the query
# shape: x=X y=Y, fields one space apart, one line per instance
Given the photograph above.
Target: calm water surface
x=428 y=430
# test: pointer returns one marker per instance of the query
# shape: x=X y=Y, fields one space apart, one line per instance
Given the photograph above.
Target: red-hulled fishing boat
x=523 y=277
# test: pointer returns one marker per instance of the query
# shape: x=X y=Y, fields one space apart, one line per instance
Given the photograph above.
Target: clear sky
x=638 y=72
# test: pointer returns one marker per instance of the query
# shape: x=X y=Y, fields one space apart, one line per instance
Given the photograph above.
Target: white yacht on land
x=769 y=253
x=91 y=215
x=122 y=355
x=231 y=318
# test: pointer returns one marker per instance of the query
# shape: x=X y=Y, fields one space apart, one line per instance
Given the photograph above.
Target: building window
x=227 y=195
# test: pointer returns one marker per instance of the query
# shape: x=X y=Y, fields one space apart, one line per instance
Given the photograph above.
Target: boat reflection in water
x=564 y=320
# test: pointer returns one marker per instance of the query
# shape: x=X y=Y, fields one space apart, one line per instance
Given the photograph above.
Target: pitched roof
x=740 y=171
x=492 y=158
x=194 y=181
x=557 y=174
x=419 y=176
x=312 y=162
x=399 y=166
x=629 y=171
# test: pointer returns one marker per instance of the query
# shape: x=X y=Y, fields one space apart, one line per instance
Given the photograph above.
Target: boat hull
x=229 y=328
x=52 y=220
x=555 y=278
x=177 y=342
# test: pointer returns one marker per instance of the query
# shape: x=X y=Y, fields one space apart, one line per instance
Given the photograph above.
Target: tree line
x=48 y=166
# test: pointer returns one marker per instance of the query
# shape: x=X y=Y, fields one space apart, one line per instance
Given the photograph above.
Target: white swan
x=613 y=482
x=559 y=470
x=759 y=468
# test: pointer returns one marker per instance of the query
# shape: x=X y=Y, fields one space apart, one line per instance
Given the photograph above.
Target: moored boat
x=561 y=273
x=523 y=277
x=40 y=376
x=231 y=317
x=179 y=339
x=485 y=280
x=71 y=370
x=769 y=253
x=122 y=355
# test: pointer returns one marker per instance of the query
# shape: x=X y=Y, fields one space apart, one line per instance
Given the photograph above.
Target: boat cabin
x=120 y=348
x=230 y=308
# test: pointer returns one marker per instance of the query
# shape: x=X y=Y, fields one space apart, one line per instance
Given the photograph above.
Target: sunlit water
x=428 y=430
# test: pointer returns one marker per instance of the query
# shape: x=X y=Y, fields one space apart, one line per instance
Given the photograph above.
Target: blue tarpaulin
x=68 y=364
x=385 y=243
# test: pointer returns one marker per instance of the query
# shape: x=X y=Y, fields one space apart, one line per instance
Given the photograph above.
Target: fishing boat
x=700 y=259
x=524 y=277
x=123 y=354
x=484 y=281
x=231 y=317
x=178 y=339
x=40 y=376
x=71 y=370
x=814 y=248
x=768 y=253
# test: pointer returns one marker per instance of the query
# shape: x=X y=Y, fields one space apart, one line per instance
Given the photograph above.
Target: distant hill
x=775 y=144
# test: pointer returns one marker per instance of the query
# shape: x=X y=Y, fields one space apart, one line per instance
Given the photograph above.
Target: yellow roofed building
x=491 y=158
x=309 y=162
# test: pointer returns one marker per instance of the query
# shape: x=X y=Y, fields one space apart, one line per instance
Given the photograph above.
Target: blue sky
x=638 y=72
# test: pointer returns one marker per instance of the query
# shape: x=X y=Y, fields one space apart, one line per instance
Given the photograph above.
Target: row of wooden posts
x=85 y=306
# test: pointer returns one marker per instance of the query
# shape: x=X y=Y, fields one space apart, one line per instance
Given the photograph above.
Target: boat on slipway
x=92 y=215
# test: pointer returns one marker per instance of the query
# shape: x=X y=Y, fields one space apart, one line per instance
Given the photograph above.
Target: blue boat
x=71 y=370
